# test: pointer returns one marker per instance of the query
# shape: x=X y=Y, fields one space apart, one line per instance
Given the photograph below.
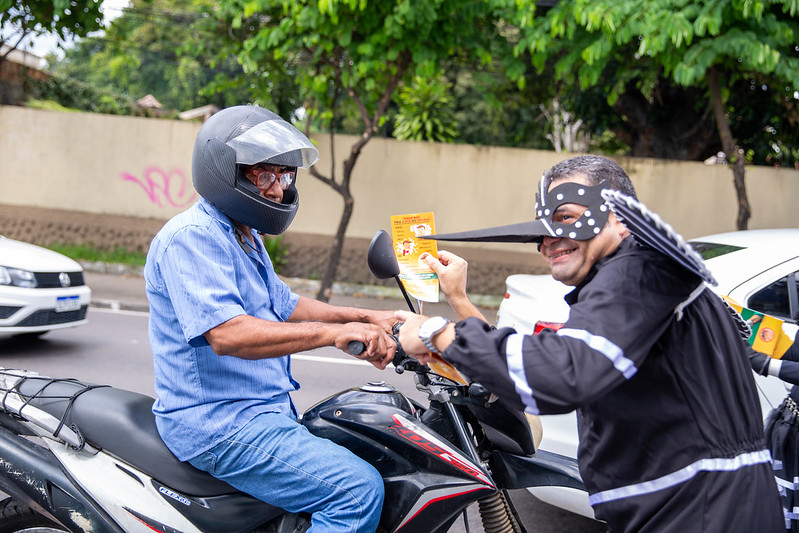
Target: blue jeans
x=277 y=460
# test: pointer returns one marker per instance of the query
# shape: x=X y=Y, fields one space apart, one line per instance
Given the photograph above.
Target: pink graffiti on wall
x=165 y=189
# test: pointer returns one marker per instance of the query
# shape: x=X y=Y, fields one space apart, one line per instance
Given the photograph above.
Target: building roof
x=203 y=113
x=149 y=102
x=22 y=57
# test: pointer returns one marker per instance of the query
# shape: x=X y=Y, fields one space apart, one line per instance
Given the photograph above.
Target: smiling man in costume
x=671 y=437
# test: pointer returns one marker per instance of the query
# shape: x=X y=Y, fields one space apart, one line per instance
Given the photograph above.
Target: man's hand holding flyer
x=406 y=231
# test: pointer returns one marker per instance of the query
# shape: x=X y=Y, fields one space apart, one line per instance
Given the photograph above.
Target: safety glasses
x=266 y=175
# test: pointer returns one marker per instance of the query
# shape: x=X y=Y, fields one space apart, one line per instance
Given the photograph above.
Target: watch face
x=432 y=325
x=429 y=329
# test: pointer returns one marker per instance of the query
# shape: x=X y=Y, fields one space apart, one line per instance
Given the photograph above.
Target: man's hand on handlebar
x=384 y=319
x=377 y=347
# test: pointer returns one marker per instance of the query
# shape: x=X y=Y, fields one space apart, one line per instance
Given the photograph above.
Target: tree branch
x=313 y=170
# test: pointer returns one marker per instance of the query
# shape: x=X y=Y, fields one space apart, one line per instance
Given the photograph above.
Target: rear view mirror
x=383 y=262
x=381 y=259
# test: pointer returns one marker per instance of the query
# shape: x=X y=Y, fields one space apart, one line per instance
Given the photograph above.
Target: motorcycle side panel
x=141 y=503
x=427 y=479
x=230 y=513
x=32 y=475
x=421 y=504
x=128 y=496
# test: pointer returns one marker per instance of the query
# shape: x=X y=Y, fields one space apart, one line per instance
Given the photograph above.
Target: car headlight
x=17 y=277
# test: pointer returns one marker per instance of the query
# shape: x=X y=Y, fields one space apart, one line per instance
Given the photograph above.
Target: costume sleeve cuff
x=774 y=367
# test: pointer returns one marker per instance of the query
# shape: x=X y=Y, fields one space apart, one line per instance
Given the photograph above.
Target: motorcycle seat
x=120 y=422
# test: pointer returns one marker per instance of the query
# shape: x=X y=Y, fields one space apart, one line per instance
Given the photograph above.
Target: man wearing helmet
x=222 y=324
x=671 y=437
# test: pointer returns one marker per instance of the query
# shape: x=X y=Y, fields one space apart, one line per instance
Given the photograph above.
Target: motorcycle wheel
x=18 y=518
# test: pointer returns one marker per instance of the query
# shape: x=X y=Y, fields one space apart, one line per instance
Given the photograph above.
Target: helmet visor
x=274 y=141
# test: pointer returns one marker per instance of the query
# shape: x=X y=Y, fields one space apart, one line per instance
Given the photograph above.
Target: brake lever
x=402 y=361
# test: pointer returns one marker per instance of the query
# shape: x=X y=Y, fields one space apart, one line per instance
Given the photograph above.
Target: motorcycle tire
x=18 y=518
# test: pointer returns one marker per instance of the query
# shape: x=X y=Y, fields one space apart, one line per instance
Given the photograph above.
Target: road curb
x=112 y=268
x=307 y=287
x=116 y=305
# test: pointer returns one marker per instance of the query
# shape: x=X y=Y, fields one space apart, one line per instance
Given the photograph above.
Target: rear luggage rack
x=23 y=406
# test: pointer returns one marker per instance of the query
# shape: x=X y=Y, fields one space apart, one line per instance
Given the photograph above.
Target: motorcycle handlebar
x=401 y=361
x=358 y=347
x=355 y=347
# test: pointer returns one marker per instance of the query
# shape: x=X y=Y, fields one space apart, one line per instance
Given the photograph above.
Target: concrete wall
x=95 y=163
x=141 y=168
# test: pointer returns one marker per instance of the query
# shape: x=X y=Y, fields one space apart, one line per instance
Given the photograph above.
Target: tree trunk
x=734 y=153
x=668 y=124
x=370 y=129
x=326 y=287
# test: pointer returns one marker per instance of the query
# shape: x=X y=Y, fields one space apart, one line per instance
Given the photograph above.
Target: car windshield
x=709 y=250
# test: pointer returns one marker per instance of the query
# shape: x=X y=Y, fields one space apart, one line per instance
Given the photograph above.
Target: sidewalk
x=122 y=287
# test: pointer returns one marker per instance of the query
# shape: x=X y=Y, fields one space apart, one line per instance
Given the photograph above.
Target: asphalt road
x=113 y=349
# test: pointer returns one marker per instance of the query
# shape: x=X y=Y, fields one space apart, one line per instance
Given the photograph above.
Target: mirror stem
x=405 y=294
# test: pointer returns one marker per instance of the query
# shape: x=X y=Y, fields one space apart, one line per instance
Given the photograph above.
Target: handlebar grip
x=356 y=347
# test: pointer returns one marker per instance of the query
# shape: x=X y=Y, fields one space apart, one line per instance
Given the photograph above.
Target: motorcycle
x=78 y=457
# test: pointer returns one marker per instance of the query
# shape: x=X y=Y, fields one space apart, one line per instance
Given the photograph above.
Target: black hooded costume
x=671 y=436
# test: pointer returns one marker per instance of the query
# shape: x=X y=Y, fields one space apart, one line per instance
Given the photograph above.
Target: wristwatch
x=429 y=329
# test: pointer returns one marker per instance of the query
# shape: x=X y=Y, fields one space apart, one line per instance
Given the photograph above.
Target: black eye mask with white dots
x=588 y=225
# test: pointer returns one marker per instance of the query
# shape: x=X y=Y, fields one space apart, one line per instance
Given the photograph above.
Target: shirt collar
x=213 y=212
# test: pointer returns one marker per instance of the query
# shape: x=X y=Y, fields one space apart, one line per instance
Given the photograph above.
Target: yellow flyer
x=442 y=368
x=767 y=334
x=406 y=231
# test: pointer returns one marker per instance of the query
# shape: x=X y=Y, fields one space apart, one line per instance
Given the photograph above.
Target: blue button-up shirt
x=197 y=277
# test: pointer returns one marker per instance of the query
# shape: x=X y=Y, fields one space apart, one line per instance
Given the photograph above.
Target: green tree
x=159 y=47
x=359 y=52
x=22 y=20
x=426 y=111
x=707 y=45
x=492 y=109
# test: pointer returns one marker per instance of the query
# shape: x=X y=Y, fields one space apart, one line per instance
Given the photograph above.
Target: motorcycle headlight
x=17 y=277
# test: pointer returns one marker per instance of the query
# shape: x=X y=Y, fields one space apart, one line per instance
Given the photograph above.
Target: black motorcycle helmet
x=246 y=135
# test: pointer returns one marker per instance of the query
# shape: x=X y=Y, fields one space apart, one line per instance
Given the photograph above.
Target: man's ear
x=618 y=226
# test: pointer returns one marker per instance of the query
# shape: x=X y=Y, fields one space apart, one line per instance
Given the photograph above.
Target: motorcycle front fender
x=542 y=469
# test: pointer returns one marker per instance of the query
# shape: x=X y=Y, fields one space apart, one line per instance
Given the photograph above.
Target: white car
x=40 y=290
x=756 y=268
